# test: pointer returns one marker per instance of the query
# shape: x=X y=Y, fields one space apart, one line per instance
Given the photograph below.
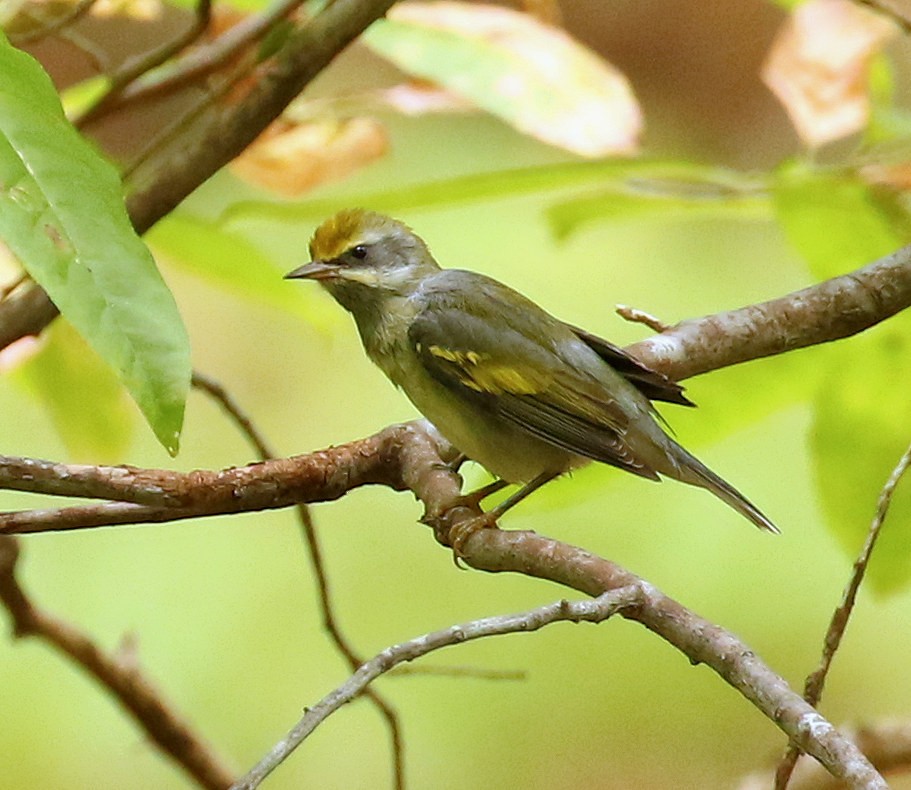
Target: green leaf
x=79 y=97
x=889 y=121
x=228 y=259
x=62 y=215
x=836 y=221
x=861 y=427
x=660 y=200
x=498 y=185
x=82 y=396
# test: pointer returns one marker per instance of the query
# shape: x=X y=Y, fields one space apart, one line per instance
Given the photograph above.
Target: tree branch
x=830 y=310
x=119 y=676
x=411 y=456
x=391 y=458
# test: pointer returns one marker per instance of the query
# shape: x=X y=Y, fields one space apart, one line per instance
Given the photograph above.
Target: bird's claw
x=461 y=531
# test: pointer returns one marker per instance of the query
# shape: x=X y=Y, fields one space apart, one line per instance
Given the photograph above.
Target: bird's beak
x=315 y=270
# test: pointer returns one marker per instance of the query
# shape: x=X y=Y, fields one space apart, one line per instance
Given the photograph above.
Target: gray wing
x=651 y=383
x=562 y=392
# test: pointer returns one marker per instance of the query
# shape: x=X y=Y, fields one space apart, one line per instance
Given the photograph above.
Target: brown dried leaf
x=293 y=158
x=817 y=67
x=895 y=176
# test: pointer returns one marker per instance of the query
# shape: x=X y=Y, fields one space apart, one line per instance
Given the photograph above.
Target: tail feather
x=691 y=470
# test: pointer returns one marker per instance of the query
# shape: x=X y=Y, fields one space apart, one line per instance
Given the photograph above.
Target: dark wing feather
x=651 y=383
x=531 y=386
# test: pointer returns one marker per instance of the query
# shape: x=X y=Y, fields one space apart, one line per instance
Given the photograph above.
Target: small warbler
x=524 y=394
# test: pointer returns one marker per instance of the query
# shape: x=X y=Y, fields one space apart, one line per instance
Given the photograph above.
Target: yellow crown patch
x=348 y=228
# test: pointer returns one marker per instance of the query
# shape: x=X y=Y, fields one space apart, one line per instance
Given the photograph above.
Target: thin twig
x=330 y=623
x=894 y=14
x=245 y=425
x=122 y=678
x=308 y=529
x=97 y=54
x=71 y=15
x=593 y=611
x=139 y=65
x=474 y=673
x=816 y=680
x=641 y=317
x=209 y=57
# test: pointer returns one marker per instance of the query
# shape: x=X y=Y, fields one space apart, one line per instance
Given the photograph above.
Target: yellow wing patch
x=476 y=371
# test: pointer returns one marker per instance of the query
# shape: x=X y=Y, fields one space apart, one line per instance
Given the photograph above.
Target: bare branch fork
x=594 y=611
x=414 y=457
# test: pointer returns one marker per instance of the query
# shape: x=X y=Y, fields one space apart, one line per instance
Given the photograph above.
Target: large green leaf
x=836 y=221
x=862 y=425
x=62 y=215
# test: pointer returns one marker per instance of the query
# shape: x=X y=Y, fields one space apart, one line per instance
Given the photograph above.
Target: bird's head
x=362 y=257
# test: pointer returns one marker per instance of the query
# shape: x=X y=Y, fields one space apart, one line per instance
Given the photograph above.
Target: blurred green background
x=224 y=612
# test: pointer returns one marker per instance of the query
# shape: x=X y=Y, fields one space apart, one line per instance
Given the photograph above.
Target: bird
x=527 y=396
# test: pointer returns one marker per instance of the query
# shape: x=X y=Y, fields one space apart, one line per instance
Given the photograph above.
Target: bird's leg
x=474 y=499
x=528 y=488
x=459 y=533
x=456 y=463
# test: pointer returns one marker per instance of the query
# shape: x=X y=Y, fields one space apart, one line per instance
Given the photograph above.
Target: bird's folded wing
x=654 y=385
x=510 y=375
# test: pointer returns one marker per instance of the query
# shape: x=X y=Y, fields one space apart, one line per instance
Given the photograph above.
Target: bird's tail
x=691 y=470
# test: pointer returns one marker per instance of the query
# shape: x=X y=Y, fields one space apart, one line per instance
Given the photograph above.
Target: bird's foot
x=454 y=526
x=463 y=529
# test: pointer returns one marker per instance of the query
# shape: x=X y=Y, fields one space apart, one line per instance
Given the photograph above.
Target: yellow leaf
x=533 y=76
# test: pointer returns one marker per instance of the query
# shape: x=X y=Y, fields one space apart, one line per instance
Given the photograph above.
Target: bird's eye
x=359 y=252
